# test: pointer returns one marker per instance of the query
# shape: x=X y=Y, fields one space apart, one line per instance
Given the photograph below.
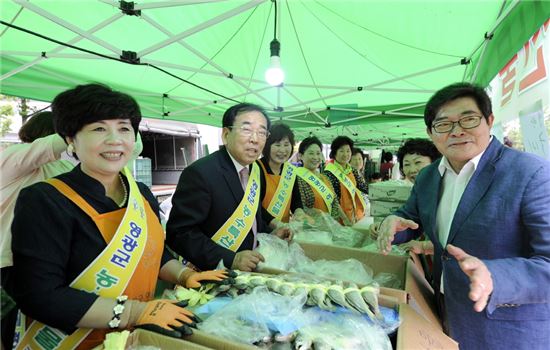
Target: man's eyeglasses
x=469 y=122
x=248 y=132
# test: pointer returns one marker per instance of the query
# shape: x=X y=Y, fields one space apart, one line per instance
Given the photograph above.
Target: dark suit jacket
x=502 y=218
x=208 y=192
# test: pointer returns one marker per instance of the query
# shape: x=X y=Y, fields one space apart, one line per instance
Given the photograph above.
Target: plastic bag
x=388 y=280
x=342 y=330
x=315 y=226
x=274 y=250
x=373 y=247
x=251 y=318
x=349 y=270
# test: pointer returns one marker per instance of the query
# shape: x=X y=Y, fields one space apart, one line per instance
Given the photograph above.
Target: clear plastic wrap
x=370 y=245
x=316 y=226
x=279 y=254
x=251 y=318
x=274 y=250
x=388 y=280
x=350 y=270
x=341 y=331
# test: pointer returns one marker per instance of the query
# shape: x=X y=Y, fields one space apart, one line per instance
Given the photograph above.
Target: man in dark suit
x=486 y=209
x=209 y=208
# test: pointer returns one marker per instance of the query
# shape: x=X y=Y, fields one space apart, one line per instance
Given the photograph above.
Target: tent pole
x=413 y=75
x=480 y=60
x=203 y=57
x=199 y=27
x=357 y=118
x=22 y=68
x=314 y=112
x=489 y=34
x=350 y=90
x=173 y=3
x=68 y=26
x=220 y=100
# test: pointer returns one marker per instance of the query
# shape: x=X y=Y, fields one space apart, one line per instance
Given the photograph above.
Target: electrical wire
x=12 y=20
x=303 y=54
x=385 y=37
x=115 y=59
x=258 y=54
x=221 y=48
x=359 y=53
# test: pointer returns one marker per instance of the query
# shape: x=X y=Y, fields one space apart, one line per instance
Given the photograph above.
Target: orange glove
x=167 y=317
x=212 y=276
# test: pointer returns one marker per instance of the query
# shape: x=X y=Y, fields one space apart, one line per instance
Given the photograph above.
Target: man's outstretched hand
x=481 y=282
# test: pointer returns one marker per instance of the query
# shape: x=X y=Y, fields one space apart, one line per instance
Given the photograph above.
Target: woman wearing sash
x=345 y=180
x=87 y=245
x=278 y=191
x=314 y=188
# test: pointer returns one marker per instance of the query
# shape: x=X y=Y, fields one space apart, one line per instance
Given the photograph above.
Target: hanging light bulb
x=274 y=75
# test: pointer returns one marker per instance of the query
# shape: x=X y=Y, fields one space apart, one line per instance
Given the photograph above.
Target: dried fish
x=303 y=342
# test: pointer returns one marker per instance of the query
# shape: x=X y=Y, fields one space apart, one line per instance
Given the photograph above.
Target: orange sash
x=271 y=183
x=143 y=282
x=347 y=203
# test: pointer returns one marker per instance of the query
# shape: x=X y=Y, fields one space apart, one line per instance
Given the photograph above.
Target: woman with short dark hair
x=346 y=181
x=278 y=190
x=314 y=188
x=97 y=244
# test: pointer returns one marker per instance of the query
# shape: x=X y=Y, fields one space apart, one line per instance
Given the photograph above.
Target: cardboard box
x=415 y=332
x=419 y=318
x=381 y=208
x=420 y=327
x=141 y=337
x=395 y=264
x=197 y=341
x=394 y=190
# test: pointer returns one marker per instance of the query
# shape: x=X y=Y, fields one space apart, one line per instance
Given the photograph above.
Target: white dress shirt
x=452 y=188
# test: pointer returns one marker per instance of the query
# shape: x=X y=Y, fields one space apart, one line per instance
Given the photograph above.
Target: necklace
x=125 y=191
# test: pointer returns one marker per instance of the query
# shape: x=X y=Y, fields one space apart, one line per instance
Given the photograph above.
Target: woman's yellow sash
x=350 y=187
x=318 y=185
x=282 y=195
x=107 y=276
x=233 y=232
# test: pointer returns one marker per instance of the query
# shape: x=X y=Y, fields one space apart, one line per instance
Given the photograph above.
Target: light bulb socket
x=275 y=47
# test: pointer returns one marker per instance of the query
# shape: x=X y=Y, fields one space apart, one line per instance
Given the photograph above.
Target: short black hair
x=375 y=176
x=277 y=132
x=86 y=104
x=355 y=151
x=39 y=125
x=308 y=141
x=387 y=156
x=421 y=147
x=453 y=92
x=337 y=143
x=232 y=112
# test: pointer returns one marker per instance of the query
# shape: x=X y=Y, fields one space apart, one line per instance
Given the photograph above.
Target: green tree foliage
x=6 y=112
x=25 y=110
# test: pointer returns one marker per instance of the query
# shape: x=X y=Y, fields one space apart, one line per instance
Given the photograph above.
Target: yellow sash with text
x=318 y=185
x=107 y=276
x=283 y=193
x=345 y=180
x=233 y=232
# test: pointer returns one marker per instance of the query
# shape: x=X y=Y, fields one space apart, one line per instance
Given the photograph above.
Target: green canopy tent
x=360 y=68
